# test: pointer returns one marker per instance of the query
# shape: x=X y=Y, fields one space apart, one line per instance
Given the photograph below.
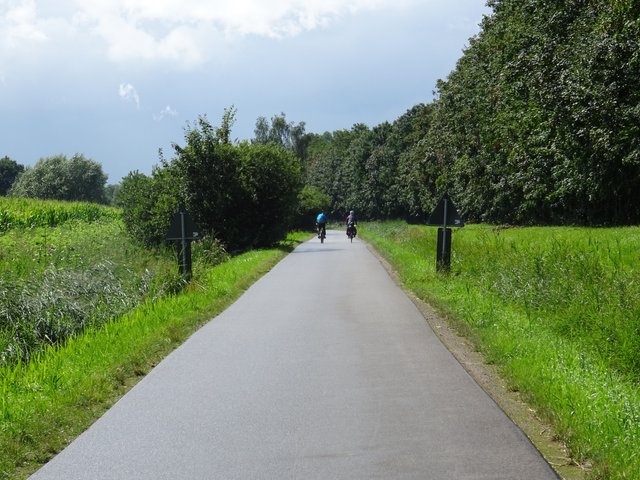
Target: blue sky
x=117 y=80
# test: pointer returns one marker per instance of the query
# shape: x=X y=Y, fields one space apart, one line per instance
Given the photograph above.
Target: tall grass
x=57 y=281
x=558 y=309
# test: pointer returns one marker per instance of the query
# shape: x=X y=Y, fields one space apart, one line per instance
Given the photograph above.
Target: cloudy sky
x=117 y=80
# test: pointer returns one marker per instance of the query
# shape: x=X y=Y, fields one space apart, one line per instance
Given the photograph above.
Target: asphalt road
x=324 y=369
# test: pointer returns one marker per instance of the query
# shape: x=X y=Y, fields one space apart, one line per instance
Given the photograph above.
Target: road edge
x=541 y=434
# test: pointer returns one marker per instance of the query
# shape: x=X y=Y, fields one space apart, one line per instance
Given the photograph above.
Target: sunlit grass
x=56 y=281
x=30 y=213
x=557 y=309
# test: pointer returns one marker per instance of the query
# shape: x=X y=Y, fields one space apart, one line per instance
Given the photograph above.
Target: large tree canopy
x=244 y=194
x=289 y=135
x=368 y=169
x=61 y=178
x=539 y=122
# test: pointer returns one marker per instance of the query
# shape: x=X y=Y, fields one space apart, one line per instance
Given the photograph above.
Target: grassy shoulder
x=48 y=402
x=555 y=310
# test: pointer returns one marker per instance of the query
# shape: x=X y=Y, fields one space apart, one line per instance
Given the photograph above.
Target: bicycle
x=351 y=231
x=322 y=232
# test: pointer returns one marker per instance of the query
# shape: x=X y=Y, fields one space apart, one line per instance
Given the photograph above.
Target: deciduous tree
x=60 y=178
x=9 y=171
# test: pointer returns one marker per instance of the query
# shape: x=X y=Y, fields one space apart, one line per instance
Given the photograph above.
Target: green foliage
x=148 y=204
x=556 y=309
x=228 y=119
x=207 y=170
x=65 y=273
x=209 y=252
x=370 y=170
x=9 y=171
x=311 y=201
x=270 y=181
x=60 y=178
x=289 y=135
x=244 y=195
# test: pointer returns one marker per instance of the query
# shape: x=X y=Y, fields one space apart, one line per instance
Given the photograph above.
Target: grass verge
x=555 y=310
x=45 y=404
x=56 y=281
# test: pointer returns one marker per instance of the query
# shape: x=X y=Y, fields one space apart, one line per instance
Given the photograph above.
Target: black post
x=185 y=253
x=443 y=256
x=442 y=216
x=184 y=260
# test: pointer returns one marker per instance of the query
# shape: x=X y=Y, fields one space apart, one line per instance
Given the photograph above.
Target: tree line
x=538 y=123
x=243 y=194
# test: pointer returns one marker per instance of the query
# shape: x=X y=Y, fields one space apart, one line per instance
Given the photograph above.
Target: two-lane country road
x=324 y=369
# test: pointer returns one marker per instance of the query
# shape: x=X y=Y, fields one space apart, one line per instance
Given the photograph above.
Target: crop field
x=28 y=213
x=557 y=309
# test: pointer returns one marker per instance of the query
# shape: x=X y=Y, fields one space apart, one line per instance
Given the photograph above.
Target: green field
x=557 y=309
x=28 y=213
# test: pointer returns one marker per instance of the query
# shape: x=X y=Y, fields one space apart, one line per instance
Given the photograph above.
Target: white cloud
x=19 y=23
x=275 y=18
x=128 y=92
x=183 y=32
x=165 y=112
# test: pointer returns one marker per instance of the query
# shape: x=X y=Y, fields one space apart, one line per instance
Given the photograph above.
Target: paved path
x=324 y=369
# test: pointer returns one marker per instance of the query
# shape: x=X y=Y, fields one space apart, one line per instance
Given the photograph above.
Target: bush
x=209 y=251
x=59 y=178
x=311 y=201
x=270 y=182
x=148 y=204
x=9 y=171
x=243 y=195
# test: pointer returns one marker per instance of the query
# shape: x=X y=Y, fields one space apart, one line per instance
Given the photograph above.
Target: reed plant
x=55 y=281
x=557 y=309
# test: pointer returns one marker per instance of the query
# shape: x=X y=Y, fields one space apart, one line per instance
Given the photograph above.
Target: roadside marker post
x=185 y=231
x=443 y=216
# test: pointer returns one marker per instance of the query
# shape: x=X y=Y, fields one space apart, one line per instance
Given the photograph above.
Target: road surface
x=323 y=369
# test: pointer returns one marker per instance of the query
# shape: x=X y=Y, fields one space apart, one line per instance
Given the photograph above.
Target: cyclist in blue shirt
x=321 y=224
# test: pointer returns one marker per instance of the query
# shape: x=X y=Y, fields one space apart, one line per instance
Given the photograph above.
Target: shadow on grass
x=296 y=239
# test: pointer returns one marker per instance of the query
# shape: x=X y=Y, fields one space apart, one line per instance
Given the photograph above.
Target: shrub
x=60 y=178
x=311 y=201
x=244 y=195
